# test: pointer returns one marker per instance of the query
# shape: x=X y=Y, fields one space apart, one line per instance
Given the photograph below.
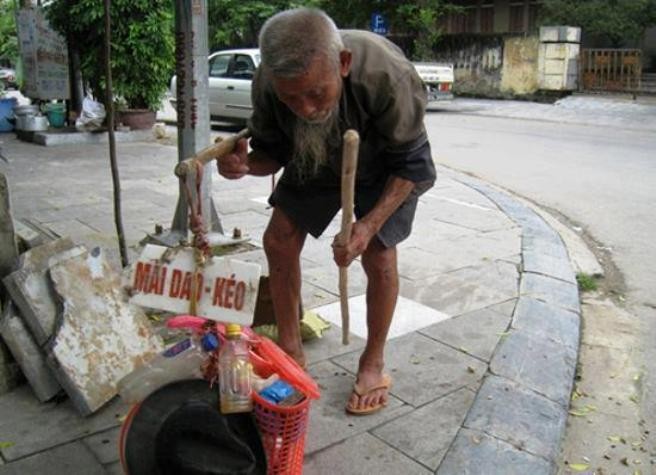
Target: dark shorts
x=313 y=210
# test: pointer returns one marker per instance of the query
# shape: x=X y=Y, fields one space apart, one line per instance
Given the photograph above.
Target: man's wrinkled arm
x=395 y=193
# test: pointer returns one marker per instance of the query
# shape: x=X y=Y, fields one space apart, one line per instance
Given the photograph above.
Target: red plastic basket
x=283 y=430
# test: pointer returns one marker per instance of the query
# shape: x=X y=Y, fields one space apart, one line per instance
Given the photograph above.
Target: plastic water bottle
x=180 y=361
x=235 y=372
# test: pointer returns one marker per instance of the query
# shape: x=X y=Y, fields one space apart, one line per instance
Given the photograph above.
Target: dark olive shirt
x=382 y=98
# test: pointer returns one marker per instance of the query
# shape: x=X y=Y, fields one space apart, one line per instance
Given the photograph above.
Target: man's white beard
x=312 y=141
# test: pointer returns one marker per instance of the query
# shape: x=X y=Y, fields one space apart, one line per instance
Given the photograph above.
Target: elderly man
x=314 y=83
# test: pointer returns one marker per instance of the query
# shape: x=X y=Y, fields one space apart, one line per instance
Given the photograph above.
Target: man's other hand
x=361 y=235
x=235 y=165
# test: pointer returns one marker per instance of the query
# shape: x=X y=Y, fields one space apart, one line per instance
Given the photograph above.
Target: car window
x=242 y=67
x=219 y=65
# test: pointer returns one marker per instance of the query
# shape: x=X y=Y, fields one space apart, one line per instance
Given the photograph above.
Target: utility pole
x=191 y=52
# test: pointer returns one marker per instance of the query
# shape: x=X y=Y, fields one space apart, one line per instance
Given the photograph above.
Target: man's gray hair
x=292 y=39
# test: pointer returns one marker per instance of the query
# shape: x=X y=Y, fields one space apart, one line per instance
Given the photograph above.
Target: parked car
x=438 y=78
x=8 y=77
x=230 y=75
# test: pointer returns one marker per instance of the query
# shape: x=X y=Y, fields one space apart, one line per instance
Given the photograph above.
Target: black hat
x=179 y=430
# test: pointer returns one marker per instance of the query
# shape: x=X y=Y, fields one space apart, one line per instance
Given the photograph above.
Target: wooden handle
x=208 y=154
x=349 y=167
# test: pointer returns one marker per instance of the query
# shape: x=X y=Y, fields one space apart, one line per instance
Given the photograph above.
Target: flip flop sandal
x=385 y=383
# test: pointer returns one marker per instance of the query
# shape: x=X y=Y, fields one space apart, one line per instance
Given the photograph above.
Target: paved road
x=601 y=175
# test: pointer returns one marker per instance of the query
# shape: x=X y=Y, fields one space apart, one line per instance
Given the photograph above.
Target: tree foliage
x=142 y=45
x=422 y=21
x=236 y=23
x=8 y=36
x=615 y=20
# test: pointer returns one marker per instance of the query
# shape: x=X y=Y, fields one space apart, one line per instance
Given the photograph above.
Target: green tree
x=142 y=45
x=422 y=20
x=618 y=21
x=8 y=37
x=236 y=23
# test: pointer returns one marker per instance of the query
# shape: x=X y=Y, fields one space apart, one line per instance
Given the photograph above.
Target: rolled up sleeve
x=401 y=122
x=414 y=164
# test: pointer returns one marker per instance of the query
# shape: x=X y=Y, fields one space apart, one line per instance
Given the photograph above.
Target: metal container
x=25 y=118
x=26 y=110
x=32 y=123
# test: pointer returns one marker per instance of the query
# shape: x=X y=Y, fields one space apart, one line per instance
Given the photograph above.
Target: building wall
x=494 y=16
x=492 y=65
x=501 y=16
x=519 y=75
x=477 y=62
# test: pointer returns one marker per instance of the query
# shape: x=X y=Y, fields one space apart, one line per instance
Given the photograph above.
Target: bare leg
x=380 y=265
x=283 y=242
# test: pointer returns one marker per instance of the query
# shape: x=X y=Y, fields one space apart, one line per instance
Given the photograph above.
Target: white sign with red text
x=227 y=287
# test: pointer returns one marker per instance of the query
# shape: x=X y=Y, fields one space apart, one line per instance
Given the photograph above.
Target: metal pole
x=191 y=52
x=109 y=104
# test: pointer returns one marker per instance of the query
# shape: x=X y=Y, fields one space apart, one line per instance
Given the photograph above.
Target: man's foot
x=370 y=393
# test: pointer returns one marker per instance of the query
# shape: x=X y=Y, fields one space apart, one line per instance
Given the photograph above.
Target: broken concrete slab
x=8 y=247
x=100 y=338
x=31 y=289
x=9 y=371
x=28 y=355
x=29 y=235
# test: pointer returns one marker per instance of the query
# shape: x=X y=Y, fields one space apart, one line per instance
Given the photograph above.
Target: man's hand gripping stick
x=210 y=153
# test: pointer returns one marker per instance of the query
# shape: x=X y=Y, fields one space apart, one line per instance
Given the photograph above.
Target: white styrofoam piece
x=100 y=337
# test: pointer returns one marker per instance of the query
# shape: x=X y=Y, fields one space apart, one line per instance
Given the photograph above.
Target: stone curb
x=517 y=420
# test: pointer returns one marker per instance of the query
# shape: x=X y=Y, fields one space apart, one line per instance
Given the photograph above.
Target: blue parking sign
x=378 y=23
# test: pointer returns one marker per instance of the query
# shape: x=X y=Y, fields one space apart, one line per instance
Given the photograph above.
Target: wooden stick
x=208 y=154
x=349 y=166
